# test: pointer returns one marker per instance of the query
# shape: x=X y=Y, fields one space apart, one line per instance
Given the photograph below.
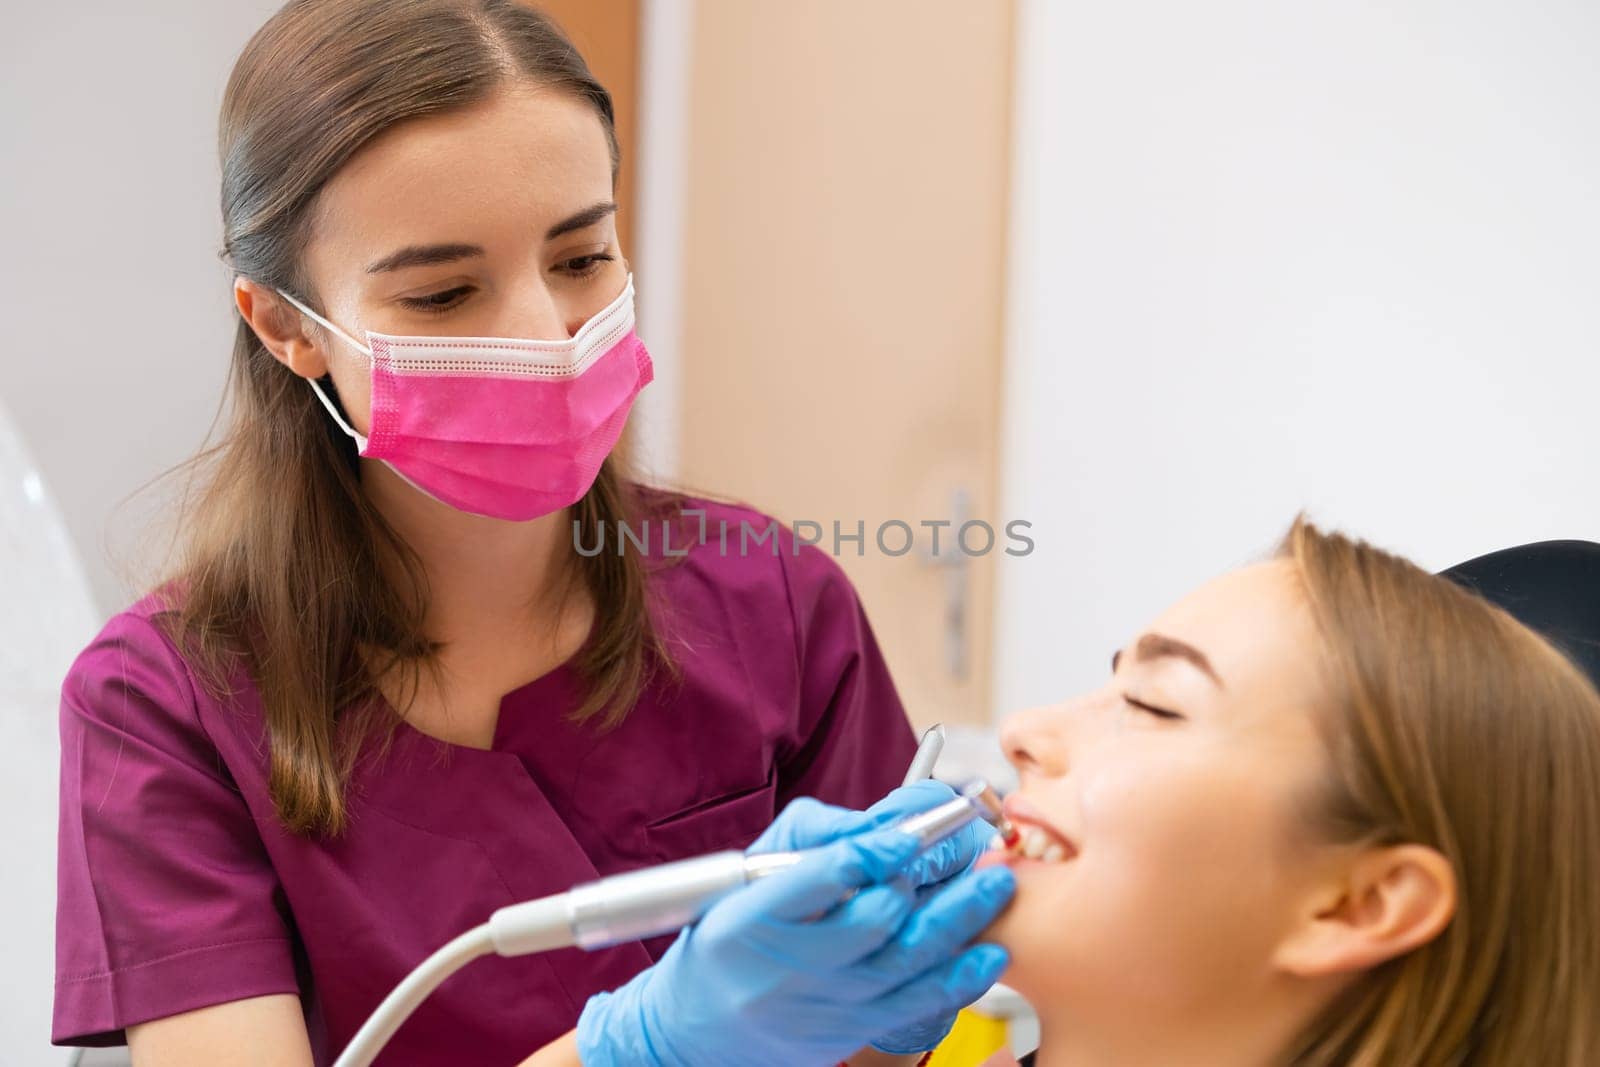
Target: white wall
x=114 y=336
x=666 y=69
x=37 y=644
x=114 y=321
x=1342 y=256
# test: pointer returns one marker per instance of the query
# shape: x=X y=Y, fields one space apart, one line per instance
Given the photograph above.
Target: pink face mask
x=509 y=428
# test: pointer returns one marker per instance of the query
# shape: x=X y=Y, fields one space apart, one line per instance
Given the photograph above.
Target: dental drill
x=627 y=907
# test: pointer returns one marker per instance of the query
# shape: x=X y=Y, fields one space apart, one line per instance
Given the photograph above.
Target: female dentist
x=392 y=687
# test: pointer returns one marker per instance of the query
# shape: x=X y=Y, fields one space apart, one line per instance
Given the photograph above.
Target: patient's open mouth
x=1036 y=838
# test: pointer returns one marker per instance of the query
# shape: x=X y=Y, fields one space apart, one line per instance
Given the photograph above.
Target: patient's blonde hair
x=1454 y=726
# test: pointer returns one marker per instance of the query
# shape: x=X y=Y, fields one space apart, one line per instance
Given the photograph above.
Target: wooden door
x=607 y=33
x=842 y=296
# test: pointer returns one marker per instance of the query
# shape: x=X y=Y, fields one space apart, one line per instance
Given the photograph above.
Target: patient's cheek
x=1174 y=875
x=1194 y=806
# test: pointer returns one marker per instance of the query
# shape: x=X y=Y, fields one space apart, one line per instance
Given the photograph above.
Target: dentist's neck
x=485 y=576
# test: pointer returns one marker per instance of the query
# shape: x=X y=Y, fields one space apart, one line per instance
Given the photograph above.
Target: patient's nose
x=1034 y=741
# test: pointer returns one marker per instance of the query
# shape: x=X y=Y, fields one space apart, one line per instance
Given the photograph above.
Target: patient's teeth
x=1034 y=842
x=1055 y=853
x=998 y=844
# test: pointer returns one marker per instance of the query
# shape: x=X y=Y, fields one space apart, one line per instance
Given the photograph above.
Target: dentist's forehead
x=517 y=163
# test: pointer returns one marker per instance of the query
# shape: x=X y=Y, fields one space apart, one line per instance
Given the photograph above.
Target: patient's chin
x=1020 y=934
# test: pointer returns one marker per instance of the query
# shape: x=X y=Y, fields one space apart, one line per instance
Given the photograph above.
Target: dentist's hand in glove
x=808 y=823
x=782 y=973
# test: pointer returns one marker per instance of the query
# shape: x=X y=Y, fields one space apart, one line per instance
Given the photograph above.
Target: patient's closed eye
x=1160 y=713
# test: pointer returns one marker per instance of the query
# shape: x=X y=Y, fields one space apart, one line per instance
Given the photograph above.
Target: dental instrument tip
x=981 y=793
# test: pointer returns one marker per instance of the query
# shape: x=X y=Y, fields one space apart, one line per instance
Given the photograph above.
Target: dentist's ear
x=1386 y=902
x=281 y=328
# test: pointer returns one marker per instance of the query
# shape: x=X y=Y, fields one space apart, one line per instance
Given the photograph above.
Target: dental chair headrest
x=1550 y=586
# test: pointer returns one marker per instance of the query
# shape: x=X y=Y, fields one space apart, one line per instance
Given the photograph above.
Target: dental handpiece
x=664 y=899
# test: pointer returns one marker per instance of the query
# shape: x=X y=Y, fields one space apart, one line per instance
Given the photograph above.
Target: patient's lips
x=1037 y=838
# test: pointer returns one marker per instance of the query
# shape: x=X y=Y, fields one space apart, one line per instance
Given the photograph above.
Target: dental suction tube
x=624 y=907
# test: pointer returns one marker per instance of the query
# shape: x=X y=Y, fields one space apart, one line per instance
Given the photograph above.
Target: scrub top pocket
x=732 y=820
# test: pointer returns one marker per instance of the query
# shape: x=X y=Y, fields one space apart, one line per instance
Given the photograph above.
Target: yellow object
x=972 y=1040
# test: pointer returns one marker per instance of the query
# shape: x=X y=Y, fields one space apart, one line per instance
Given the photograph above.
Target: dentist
x=385 y=693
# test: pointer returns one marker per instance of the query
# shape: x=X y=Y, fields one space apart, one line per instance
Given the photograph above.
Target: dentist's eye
x=441 y=301
x=584 y=266
x=1160 y=713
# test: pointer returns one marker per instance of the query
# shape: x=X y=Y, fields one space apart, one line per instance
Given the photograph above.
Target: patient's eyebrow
x=1157 y=646
x=423 y=256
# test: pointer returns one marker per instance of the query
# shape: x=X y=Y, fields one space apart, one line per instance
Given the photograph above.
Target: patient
x=1329 y=809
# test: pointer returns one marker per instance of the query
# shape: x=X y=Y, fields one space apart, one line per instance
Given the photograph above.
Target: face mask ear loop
x=360 y=439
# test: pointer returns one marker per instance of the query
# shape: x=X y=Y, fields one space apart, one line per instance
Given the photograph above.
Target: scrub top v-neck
x=179 y=888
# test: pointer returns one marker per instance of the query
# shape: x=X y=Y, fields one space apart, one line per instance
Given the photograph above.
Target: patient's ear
x=1382 y=904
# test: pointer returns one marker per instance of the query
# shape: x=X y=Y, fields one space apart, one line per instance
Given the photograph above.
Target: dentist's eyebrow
x=1157 y=646
x=582 y=220
x=424 y=256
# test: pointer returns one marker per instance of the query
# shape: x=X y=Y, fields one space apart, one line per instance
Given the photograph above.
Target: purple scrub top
x=179 y=889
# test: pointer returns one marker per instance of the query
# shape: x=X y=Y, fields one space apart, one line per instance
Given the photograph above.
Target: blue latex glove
x=807 y=823
x=781 y=973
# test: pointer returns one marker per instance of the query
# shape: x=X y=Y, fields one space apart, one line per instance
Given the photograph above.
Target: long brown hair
x=1453 y=725
x=286 y=568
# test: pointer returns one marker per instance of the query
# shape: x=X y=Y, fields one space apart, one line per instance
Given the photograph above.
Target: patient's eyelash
x=1160 y=713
